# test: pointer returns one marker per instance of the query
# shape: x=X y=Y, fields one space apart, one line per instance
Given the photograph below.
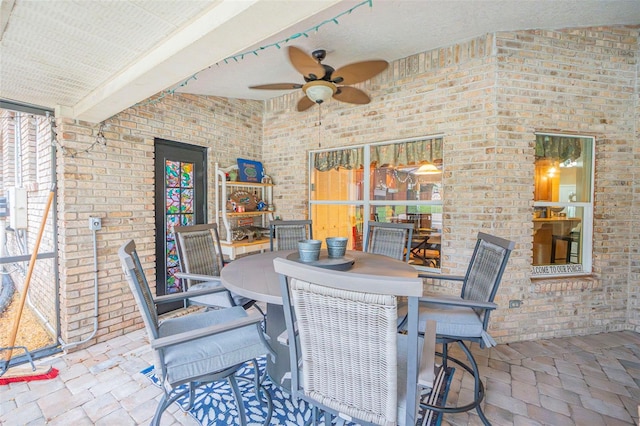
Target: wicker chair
x=390 y=239
x=201 y=260
x=465 y=318
x=285 y=234
x=198 y=348
x=350 y=361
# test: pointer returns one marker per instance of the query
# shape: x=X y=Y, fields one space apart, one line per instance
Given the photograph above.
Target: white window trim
x=587 y=222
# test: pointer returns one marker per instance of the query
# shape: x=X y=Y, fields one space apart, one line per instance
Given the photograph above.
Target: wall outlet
x=515 y=304
x=95 y=223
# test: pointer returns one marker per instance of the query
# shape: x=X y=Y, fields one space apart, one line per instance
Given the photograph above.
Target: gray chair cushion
x=213 y=353
x=451 y=320
x=216 y=299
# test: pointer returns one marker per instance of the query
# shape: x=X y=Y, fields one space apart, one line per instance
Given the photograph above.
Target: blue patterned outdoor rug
x=214 y=403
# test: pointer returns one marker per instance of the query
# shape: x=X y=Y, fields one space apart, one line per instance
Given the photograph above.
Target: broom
x=24 y=374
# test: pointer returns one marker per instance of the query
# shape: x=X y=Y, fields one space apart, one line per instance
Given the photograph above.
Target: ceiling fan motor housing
x=328 y=71
x=319 y=55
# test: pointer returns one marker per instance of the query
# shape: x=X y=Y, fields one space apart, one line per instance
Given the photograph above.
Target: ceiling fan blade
x=305 y=64
x=277 y=86
x=351 y=95
x=359 y=71
x=304 y=104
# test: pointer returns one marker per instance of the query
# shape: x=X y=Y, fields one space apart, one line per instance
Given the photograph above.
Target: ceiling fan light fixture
x=319 y=91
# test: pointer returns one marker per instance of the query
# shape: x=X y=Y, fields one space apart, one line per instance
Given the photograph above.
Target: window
x=563 y=205
x=399 y=181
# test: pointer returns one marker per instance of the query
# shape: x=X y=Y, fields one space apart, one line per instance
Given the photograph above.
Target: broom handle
x=32 y=262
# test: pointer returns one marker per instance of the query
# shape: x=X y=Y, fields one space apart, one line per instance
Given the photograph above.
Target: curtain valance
x=558 y=147
x=394 y=154
x=403 y=154
x=349 y=158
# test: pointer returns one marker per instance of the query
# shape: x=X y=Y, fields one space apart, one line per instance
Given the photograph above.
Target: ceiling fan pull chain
x=319 y=124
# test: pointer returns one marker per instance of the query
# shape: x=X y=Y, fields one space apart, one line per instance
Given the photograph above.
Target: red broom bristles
x=50 y=375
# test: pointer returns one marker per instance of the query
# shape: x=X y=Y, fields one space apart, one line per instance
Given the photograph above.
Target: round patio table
x=253 y=276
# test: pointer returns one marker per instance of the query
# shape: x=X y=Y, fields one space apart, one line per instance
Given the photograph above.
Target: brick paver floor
x=588 y=380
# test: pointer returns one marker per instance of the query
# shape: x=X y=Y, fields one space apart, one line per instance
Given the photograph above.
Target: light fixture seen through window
x=427 y=169
x=319 y=91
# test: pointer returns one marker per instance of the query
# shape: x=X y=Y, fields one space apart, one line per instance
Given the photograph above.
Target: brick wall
x=487 y=97
x=115 y=182
x=579 y=81
x=634 y=246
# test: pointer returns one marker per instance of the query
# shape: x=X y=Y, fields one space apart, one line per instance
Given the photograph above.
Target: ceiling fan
x=324 y=82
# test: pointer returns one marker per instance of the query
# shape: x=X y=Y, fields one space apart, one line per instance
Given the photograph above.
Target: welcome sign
x=571 y=268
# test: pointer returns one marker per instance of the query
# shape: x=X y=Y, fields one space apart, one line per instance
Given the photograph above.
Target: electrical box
x=95 y=223
x=18 y=208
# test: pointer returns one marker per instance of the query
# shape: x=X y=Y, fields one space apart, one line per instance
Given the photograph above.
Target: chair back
x=485 y=270
x=390 y=239
x=347 y=338
x=285 y=234
x=199 y=250
x=139 y=286
x=200 y=254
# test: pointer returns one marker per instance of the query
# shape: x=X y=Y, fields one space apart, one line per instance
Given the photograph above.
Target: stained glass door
x=179 y=199
x=180 y=193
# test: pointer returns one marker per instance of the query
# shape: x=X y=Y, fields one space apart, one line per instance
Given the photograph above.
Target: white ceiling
x=93 y=59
